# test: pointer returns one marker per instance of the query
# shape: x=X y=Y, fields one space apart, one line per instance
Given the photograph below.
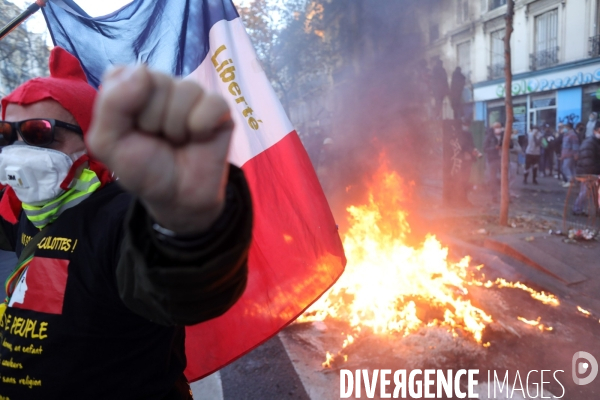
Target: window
x=495 y=4
x=496 y=69
x=462 y=11
x=463 y=57
x=595 y=38
x=546 y=40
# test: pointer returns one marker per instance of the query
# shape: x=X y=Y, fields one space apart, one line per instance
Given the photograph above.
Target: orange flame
x=584 y=312
x=543 y=297
x=537 y=323
x=391 y=287
x=385 y=278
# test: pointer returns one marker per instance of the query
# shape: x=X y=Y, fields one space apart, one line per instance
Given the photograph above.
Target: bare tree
x=292 y=51
x=23 y=54
x=505 y=195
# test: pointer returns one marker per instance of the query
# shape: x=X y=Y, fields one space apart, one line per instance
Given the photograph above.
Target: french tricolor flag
x=296 y=253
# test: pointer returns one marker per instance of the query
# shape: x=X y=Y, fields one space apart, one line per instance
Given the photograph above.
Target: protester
x=580 y=131
x=532 y=154
x=588 y=163
x=558 y=151
x=589 y=129
x=439 y=87
x=550 y=143
x=491 y=149
x=520 y=150
x=464 y=153
x=456 y=93
x=118 y=268
x=570 y=147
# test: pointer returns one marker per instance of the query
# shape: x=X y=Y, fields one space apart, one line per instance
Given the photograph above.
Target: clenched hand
x=167 y=141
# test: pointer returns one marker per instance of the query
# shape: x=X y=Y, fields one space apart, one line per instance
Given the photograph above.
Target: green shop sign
x=533 y=85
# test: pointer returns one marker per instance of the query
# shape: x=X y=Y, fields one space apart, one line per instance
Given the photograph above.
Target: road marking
x=209 y=388
x=317 y=385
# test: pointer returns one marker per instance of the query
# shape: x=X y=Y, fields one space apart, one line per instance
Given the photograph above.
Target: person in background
x=580 y=131
x=532 y=154
x=522 y=142
x=557 y=151
x=588 y=163
x=468 y=153
x=570 y=148
x=456 y=91
x=439 y=87
x=548 y=150
x=589 y=129
x=491 y=149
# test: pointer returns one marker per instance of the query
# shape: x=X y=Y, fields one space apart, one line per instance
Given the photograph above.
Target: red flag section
x=295 y=256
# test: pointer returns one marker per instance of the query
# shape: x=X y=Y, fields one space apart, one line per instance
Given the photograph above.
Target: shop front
x=567 y=93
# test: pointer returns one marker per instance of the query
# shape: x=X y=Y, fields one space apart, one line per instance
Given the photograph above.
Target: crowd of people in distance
x=565 y=153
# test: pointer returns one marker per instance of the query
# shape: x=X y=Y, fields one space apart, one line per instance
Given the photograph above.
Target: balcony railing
x=595 y=46
x=544 y=59
x=496 y=71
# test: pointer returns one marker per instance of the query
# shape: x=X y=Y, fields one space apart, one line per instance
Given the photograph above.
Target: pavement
x=536 y=247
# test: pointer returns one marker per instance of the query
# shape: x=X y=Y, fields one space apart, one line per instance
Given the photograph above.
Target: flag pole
x=32 y=9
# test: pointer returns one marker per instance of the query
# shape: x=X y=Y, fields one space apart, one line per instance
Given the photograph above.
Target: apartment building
x=555 y=56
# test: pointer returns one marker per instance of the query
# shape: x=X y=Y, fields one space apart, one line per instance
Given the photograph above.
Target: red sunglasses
x=34 y=132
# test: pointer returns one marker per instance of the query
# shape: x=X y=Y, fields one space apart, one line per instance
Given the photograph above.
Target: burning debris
x=390 y=287
x=536 y=323
x=584 y=312
x=546 y=298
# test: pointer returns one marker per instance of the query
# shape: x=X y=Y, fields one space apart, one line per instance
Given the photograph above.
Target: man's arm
x=188 y=280
x=184 y=254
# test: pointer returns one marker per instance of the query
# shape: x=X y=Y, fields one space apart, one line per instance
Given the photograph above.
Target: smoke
x=379 y=100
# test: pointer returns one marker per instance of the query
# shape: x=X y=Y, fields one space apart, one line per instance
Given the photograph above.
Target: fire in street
x=391 y=287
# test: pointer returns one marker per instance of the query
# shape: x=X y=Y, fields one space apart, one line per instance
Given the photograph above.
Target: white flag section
x=232 y=69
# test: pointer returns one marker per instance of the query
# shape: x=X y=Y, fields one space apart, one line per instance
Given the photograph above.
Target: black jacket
x=106 y=298
x=588 y=162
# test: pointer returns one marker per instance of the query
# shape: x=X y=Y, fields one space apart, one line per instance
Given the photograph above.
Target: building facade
x=23 y=54
x=555 y=57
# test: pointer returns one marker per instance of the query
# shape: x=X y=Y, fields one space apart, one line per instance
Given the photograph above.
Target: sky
x=94 y=8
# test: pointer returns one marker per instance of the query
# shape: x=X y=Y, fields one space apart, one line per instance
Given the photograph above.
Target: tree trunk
x=504 y=189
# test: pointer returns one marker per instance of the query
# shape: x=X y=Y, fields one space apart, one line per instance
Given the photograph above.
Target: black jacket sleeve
x=588 y=161
x=184 y=285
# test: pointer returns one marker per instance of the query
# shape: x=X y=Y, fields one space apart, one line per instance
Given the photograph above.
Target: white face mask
x=34 y=173
x=597 y=135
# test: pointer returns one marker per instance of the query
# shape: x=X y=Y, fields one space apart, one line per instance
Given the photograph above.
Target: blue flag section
x=154 y=32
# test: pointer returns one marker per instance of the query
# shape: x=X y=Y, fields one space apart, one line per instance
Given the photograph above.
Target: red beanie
x=67 y=85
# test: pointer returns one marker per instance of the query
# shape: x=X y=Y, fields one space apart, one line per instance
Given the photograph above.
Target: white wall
x=577 y=19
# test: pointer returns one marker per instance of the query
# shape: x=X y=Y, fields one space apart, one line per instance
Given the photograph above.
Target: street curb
x=513 y=247
x=526 y=274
